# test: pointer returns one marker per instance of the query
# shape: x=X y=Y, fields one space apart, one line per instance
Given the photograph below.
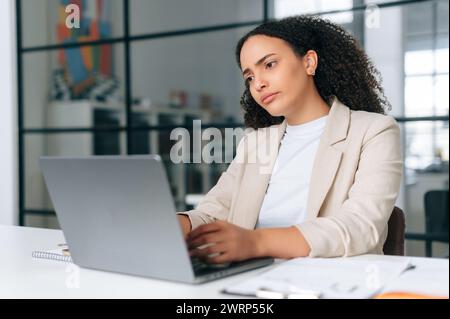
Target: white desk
x=22 y=276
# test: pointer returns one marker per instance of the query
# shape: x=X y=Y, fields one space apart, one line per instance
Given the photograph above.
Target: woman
x=332 y=172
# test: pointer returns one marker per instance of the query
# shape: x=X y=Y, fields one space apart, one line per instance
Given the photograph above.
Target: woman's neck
x=312 y=108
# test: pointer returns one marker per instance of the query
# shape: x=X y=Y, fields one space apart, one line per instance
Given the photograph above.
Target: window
x=351 y=20
x=285 y=8
x=426 y=83
x=121 y=82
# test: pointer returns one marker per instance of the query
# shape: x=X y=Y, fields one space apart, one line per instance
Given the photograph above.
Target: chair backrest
x=395 y=241
x=436 y=218
x=436 y=212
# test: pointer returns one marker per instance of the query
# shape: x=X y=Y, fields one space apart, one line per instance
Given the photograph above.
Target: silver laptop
x=117 y=214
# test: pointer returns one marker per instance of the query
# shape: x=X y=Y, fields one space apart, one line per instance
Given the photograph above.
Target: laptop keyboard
x=199 y=265
x=202 y=268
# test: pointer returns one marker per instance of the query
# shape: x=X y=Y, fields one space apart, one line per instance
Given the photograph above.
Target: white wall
x=385 y=46
x=8 y=127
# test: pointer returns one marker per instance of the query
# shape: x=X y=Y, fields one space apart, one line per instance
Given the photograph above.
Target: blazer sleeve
x=358 y=227
x=216 y=204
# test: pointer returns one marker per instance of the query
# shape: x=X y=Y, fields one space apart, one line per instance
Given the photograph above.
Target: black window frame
x=126 y=40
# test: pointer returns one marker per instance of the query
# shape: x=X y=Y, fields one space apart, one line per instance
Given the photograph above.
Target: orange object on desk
x=407 y=295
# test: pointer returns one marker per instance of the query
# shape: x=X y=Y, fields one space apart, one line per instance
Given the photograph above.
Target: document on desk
x=430 y=279
x=322 y=278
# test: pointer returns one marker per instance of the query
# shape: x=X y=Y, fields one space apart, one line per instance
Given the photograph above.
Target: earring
x=313 y=73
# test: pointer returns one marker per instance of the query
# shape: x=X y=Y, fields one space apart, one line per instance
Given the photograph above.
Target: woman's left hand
x=226 y=241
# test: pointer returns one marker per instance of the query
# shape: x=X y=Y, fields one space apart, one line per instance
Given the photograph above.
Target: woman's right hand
x=185 y=224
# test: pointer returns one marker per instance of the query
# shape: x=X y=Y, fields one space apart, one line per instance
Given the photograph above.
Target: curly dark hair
x=344 y=70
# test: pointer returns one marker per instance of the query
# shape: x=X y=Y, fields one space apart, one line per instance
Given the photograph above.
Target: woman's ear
x=311 y=61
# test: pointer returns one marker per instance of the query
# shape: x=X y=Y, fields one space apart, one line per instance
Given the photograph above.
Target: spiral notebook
x=60 y=254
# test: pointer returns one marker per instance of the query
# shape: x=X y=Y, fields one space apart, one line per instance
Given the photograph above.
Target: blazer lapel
x=257 y=174
x=255 y=181
x=327 y=158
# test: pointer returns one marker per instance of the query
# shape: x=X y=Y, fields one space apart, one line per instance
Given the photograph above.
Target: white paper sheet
x=322 y=278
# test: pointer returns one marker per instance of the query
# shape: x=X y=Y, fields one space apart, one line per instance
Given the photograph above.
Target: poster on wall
x=84 y=69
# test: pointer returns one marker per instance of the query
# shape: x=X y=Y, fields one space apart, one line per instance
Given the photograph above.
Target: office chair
x=395 y=241
x=436 y=218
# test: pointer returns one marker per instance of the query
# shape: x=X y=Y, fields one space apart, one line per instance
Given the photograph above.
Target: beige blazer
x=354 y=183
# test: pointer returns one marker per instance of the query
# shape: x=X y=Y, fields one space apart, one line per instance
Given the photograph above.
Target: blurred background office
x=136 y=69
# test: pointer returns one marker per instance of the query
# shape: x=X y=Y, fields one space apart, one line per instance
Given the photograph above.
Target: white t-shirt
x=285 y=201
